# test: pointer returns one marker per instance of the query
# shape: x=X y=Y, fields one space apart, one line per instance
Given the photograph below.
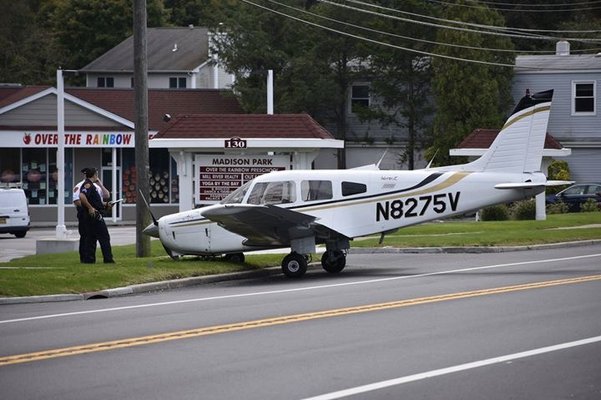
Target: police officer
x=81 y=211
x=94 y=227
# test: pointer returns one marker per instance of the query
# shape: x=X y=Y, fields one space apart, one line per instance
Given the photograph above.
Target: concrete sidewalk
x=12 y=247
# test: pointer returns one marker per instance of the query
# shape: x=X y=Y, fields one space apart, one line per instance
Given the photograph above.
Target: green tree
x=313 y=68
x=468 y=95
x=401 y=81
x=29 y=53
x=188 y=12
x=88 y=28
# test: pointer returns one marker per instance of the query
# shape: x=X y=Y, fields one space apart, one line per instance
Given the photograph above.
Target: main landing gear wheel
x=237 y=258
x=294 y=265
x=333 y=261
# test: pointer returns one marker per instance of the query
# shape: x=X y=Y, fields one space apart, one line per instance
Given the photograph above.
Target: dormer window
x=105 y=82
x=583 y=97
x=177 y=83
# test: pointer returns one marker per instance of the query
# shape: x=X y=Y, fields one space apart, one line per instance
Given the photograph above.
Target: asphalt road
x=519 y=325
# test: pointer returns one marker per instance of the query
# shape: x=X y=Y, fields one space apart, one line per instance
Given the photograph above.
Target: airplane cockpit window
x=237 y=195
x=350 y=188
x=273 y=193
x=316 y=190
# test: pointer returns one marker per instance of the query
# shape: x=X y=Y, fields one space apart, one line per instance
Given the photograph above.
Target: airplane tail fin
x=519 y=145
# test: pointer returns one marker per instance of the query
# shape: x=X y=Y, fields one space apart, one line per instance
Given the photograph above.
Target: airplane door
x=107 y=181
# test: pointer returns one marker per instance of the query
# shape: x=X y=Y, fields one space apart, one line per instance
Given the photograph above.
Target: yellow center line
x=287 y=319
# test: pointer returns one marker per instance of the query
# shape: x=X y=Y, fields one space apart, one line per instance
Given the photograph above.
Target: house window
x=359 y=97
x=177 y=83
x=583 y=98
x=105 y=81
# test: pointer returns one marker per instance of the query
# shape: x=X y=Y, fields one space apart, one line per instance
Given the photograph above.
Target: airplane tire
x=237 y=258
x=333 y=261
x=294 y=265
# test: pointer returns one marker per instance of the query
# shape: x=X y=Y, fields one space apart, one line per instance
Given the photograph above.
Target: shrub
x=589 y=205
x=558 y=170
x=524 y=210
x=499 y=212
x=557 y=208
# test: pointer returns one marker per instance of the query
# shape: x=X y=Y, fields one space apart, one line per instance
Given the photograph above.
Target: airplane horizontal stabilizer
x=527 y=185
x=559 y=183
x=519 y=185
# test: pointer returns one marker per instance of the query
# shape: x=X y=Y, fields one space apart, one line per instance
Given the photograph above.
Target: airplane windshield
x=273 y=193
x=237 y=195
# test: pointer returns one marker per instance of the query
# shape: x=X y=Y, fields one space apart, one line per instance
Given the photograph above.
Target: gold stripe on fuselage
x=450 y=181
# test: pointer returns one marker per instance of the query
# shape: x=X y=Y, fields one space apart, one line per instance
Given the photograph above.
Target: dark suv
x=577 y=194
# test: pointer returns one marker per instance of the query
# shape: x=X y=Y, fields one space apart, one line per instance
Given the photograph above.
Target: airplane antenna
x=381 y=159
x=154 y=220
x=432 y=160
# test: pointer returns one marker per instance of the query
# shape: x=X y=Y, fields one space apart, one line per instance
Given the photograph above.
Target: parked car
x=577 y=194
x=14 y=213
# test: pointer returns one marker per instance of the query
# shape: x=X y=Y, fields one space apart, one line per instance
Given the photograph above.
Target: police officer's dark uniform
x=81 y=216
x=93 y=224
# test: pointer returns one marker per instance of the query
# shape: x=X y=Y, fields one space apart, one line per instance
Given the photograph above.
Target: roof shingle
x=483 y=138
x=209 y=126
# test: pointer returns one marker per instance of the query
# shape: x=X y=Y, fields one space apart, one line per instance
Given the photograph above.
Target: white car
x=14 y=213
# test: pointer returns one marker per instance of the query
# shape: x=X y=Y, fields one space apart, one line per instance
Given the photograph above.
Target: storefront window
x=129 y=175
x=9 y=166
x=34 y=175
x=159 y=176
x=40 y=176
x=174 y=182
x=163 y=182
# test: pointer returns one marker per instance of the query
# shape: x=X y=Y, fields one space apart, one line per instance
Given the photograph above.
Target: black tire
x=237 y=258
x=294 y=265
x=333 y=261
x=20 y=235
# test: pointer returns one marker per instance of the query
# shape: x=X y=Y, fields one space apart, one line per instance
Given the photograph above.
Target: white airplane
x=302 y=208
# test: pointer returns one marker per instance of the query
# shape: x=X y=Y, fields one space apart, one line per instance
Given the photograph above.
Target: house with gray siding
x=575 y=119
x=178 y=58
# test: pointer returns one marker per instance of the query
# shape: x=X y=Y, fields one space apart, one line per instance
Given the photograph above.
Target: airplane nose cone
x=151 y=230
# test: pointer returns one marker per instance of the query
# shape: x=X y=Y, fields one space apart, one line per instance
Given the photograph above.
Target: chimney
x=562 y=48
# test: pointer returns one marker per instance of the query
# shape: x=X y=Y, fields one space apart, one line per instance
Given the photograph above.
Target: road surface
x=519 y=325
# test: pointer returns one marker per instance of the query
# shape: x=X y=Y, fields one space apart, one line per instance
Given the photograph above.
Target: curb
x=201 y=280
x=470 y=249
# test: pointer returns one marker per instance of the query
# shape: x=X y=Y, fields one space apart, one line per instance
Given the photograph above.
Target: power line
x=514 y=10
x=513 y=35
x=571 y=3
x=424 y=53
x=410 y=38
x=495 y=27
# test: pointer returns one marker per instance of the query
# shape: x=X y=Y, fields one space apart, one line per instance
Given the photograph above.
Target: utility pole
x=141 y=154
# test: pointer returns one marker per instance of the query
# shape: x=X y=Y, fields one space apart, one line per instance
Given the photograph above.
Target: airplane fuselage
x=353 y=203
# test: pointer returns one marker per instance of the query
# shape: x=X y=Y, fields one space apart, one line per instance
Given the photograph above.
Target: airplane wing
x=264 y=225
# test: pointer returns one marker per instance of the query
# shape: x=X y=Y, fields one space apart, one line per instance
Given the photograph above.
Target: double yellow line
x=262 y=323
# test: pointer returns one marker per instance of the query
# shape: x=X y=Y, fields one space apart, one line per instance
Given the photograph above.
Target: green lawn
x=557 y=228
x=62 y=273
